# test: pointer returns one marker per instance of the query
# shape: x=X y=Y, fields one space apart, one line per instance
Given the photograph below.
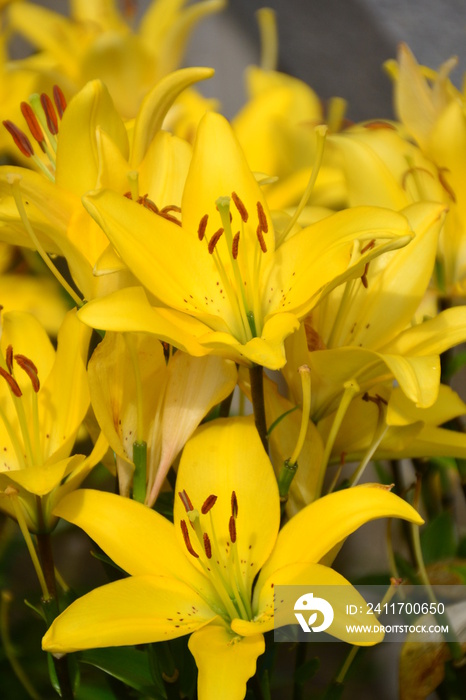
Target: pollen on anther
x=214 y=240
x=202 y=227
x=9 y=358
x=261 y=240
x=20 y=138
x=207 y=545
x=11 y=381
x=59 y=99
x=232 y=529
x=234 y=246
x=208 y=503
x=50 y=114
x=31 y=370
x=262 y=218
x=234 y=505
x=187 y=541
x=243 y=212
x=186 y=501
x=32 y=122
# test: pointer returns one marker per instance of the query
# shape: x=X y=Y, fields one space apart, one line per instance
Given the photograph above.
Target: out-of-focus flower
x=219 y=274
x=155 y=401
x=43 y=400
x=97 y=41
x=197 y=575
x=432 y=111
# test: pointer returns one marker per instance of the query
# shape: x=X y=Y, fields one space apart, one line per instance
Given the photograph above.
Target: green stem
x=50 y=607
x=257 y=395
x=140 y=469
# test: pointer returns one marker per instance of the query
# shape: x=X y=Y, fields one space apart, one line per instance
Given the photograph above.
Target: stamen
x=32 y=122
x=243 y=212
x=232 y=529
x=234 y=246
x=369 y=246
x=148 y=203
x=50 y=114
x=214 y=240
x=20 y=138
x=59 y=99
x=186 y=501
x=171 y=207
x=261 y=240
x=262 y=218
x=187 y=541
x=14 y=386
x=444 y=183
x=207 y=545
x=234 y=505
x=9 y=358
x=31 y=370
x=202 y=227
x=364 y=276
x=208 y=503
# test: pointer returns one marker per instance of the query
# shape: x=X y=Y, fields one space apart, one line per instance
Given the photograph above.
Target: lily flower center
x=237 y=263
x=28 y=453
x=42 y=119
x=218 y=557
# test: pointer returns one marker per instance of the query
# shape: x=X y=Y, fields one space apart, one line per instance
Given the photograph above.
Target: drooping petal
x=194 y=386
x=223 y=457
x=135 y=610
x=320 y=526
x=225 y=661
x=140 y=540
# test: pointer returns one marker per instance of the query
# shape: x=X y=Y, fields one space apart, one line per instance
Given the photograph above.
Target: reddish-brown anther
x=32 y=122
x=262 y=218
x=59 y=99
x=243 y=212
x=208 y=503
x=186 y=501
x=234 y=505
x=232 y=529
x=368 y=246
x=50 y=114
x=234 y=245
x=261 y=240
x=214 y=240
x=364 y=276
x=207 y=545
x=11 y=381
x=20 y=138
x=9 y=358
x=202 y=227
x=187 y=541
x=31 y=370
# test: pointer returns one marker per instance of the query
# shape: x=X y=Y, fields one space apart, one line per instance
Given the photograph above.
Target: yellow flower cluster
x=331 y=255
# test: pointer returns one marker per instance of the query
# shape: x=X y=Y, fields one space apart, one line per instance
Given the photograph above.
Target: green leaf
x=438 y=539
x=127 y=664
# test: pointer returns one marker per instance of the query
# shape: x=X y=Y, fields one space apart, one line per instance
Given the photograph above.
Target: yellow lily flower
x=154 y=401
x=43 y=400
x=432 y=111
x=411 y=431
x=218 y=273
x=199 y=580
x=357 y=331
x=97 y=41
x=90 y=147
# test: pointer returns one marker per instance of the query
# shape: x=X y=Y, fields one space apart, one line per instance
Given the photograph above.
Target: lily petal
x=135 y=610
x=225 y=661
x=360 y=505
